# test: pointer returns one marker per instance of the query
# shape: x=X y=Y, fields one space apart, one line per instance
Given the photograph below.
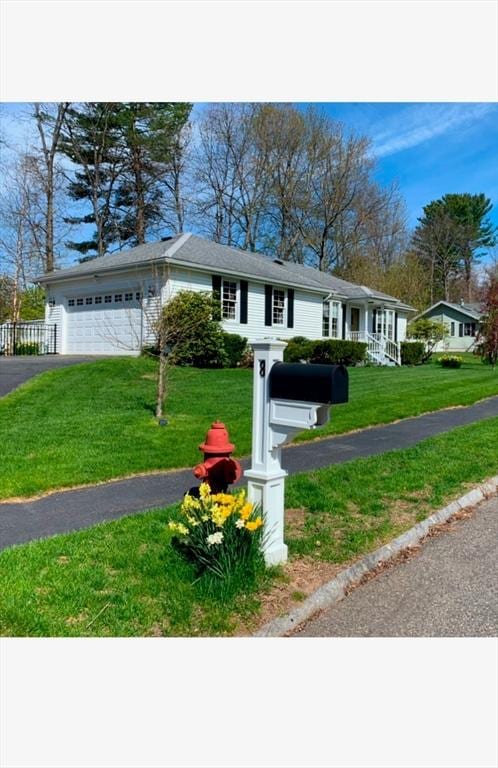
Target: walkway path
x=16 y=370
x=450 y=589
x=75 y=509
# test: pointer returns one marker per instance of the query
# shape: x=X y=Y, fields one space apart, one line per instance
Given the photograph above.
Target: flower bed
x=219 y=534
x=450 y=361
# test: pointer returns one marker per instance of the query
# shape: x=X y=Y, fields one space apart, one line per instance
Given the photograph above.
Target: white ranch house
x=462 y=323
x=104 y=306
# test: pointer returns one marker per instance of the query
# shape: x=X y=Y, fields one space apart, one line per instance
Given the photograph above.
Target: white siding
x=55 y=316
x=307 y=307
x=402 y=321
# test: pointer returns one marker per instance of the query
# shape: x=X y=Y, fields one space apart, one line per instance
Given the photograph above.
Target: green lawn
x=95 y=421
x=123 y=578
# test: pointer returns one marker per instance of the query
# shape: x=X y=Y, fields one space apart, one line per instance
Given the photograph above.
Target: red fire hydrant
x=218 y=469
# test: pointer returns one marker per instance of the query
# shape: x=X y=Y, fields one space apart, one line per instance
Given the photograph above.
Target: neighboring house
x=461 y=320
x=105 y=306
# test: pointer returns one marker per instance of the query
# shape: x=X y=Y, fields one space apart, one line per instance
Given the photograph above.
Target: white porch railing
x=380 y=349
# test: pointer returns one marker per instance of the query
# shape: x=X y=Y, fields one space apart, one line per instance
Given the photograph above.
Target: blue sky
x=429 y=148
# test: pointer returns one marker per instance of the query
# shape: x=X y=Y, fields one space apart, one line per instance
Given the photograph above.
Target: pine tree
x=149 y=137
x=92 y=141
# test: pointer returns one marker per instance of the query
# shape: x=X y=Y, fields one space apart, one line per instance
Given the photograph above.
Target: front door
x=355 y=319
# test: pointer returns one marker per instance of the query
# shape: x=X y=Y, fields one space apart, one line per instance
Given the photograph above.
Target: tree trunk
x=161 y=385
x=140 y=198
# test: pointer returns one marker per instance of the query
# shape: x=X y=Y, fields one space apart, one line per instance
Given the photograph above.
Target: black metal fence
x=28 y=339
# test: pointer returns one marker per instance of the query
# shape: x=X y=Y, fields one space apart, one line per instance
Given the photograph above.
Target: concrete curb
x=335 y=590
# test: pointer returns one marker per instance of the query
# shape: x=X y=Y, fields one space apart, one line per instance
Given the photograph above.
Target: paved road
x=450 y=589
x=73 y=510
x=16 y=370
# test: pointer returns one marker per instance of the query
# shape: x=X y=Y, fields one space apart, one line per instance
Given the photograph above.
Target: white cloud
x=415 y=124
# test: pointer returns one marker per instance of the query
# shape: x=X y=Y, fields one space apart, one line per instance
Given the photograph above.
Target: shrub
x=412 y=352
x=235 y=346
x=150 y=350
x=247 y=359
x=450 y=361
x=220 y=534
x=430 y=332
x=298 y=348
x=190 y=334
x=337 y=351
x=28 y=348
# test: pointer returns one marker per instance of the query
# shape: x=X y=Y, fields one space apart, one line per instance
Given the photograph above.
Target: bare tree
x=436 y=240
x=49 y=122
x=21 y=236
x=174 y=179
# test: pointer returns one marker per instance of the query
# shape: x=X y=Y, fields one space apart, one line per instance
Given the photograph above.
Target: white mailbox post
x=274 y=422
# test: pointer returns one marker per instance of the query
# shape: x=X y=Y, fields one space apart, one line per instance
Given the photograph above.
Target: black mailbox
x=311 y=383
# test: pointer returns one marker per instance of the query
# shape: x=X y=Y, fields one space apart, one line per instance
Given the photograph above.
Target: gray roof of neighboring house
x=471 y=308
x=195 y=251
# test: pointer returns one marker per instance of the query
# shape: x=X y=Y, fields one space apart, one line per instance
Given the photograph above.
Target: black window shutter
x=268 y=303
x=374 y=321
x=395 y=326
x=216 y=283
x=460 y=329
x=290 y=308
x=243 y=301
x=343 y=321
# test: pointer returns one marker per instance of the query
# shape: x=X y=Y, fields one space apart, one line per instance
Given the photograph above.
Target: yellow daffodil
x=178 y=528
x=246 y=510
x=253 y=525
x=189 y=503
x=204 y=491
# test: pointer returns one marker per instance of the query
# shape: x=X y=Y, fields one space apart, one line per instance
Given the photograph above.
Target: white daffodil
x=215 y=538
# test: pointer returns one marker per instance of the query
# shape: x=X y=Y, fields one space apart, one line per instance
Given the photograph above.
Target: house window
x=278 y=306
x=118 y=297
x=70 y=302
x=326 y=319
x=469 y=329
x=98 y=299
x=51 y=302
x=79 y=302
x=89 y=300
x=452 y=329
x=128 y=297
x=334 y=319
x=330 y=319
x=229 y=300
x=107 y=299
x=138 y=296
x=385 y=323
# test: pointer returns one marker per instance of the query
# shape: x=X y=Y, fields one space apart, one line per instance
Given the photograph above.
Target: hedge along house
x=462 y=322
x=106 y=306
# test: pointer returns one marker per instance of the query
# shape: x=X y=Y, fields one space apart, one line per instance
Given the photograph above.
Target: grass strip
x=123 y=578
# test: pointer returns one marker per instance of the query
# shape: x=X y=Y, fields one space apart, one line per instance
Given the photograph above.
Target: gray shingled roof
x=205 y=254
x=139 y=255
x=472 y=309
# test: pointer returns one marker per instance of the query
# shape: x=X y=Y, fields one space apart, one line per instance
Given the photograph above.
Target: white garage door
x=104 y=324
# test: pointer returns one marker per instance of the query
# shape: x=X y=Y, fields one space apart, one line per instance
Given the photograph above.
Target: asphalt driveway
x=16 y=370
